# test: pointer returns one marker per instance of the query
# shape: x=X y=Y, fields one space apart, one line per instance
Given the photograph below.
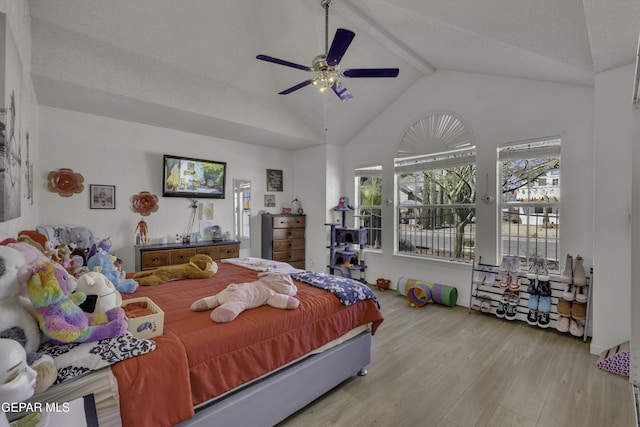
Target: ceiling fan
x=327 y=65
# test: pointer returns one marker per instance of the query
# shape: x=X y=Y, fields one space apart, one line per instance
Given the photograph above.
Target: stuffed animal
x=77 y=237
x=102 y=260
x=60 y=317
x=101 y=294
x=274 y=289
x=199 y=267
x=16 y=322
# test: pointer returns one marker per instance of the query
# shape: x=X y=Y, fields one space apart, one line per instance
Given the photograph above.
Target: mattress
x=197 y=360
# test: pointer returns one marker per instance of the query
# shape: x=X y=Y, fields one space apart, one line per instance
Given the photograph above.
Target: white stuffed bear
x=102 y=295
x=274 y=289
x=15 y=321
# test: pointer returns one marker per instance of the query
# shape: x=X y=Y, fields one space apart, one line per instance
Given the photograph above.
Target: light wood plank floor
x=442 y=367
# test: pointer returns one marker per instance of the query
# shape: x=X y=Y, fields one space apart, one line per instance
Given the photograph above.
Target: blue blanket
x=348 y=291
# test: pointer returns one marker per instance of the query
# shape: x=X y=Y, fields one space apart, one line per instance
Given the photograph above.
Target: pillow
x=73 y=360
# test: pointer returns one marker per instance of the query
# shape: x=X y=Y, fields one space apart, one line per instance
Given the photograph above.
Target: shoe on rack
x=490 y=278
x=511 y=311
x=532 y=317
x=543 y=319
x=514 y=284
x=505 y=281
x=562 y=324
x=533 y=302
x=501 y=310
x=544 y=288
x=564 y=308
x=579 y=275
x=504 y=264
x=581 y=294
x=543 y=270
x=575 y=328
x=514 y=298
x=579 y=311
x=532 y=274
x=485 y=304
x=514 y=266
x=544 y=304
x=567 y=273
x=479 y=277
x=476 y=303
x=569 y=293
x=532 y=289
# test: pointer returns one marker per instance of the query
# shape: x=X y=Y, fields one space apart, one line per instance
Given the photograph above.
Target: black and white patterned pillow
x=73 y=360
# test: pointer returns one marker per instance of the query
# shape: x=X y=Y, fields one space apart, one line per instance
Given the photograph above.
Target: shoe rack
x=486 y=296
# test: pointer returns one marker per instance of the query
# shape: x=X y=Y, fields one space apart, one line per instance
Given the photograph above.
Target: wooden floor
x=442 y=367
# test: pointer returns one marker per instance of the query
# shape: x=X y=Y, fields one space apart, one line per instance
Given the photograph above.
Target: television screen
x=193 y=178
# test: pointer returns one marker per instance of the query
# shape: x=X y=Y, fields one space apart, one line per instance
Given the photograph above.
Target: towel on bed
x=348 y=291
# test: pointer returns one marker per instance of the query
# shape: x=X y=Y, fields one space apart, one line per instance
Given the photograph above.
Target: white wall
x=635 y=252
x=129 y=156
x=498 y=110
x=612 y=208
x=19 y=23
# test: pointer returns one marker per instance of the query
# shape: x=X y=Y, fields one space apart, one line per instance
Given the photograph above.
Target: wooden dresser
x=154 y=256
x=283 y=238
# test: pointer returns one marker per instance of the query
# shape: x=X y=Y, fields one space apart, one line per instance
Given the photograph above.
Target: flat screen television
x=193 y=178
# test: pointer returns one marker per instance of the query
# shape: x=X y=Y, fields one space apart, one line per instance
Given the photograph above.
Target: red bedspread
x=197 y=359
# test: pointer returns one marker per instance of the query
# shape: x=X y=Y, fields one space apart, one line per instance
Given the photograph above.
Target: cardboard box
x=146 y=326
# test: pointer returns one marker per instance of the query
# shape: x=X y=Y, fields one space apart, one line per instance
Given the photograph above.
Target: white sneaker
x=532 y=274
x=479 y=277
x=569 y=293
x=581 y=294
x=543 y=270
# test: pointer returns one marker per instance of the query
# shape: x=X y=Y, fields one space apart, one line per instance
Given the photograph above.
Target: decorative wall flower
x=65 y=182
x=144 y=203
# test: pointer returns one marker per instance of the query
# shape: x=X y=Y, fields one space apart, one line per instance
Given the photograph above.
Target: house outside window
x=436 y=195
x=368 y=212
x=530 y=200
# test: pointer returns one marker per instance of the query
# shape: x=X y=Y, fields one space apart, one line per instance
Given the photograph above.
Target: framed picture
x=269 y=200
x=102 y=196
x=274 y=180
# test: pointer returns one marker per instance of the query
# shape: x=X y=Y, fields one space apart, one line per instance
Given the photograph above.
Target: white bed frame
x=270 y=400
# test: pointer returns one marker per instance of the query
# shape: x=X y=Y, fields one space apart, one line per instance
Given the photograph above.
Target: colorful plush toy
x=60 y=317
x=102 y=260
x=200 y=266
x=274 y=289
x=101 y=294
x=16 y=322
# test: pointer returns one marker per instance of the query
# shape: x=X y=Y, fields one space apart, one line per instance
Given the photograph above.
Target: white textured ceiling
x=190 y=64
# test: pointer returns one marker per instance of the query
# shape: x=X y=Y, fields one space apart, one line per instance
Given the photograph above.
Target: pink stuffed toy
x=274 y=289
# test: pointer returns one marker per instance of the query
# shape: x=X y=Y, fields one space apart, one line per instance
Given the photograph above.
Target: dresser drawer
x=181 y=256
x=288 y=233
x=288 y=222
x=287 y=245
x=298 y=264
x=288 y=256
x=230 y=251
x=211 y=251
x=155 y=259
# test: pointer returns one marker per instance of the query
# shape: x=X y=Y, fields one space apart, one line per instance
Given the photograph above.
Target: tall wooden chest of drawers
x=283 y=238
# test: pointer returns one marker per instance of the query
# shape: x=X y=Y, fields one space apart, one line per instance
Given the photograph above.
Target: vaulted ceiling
x=190 y=65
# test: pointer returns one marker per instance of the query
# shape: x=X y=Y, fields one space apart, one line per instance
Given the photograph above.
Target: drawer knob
x=156 y=259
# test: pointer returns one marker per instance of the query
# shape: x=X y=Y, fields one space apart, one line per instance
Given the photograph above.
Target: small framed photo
x=102 y=196
x=274 y=180
x=269 y=200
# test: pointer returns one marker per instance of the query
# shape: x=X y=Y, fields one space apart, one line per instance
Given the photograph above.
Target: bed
x=201 y=373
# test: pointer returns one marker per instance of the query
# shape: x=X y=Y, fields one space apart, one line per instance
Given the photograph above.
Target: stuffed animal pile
x=16 y=322
x=59 y=315
x=199 y=267
x=107 y=267
x=273 y=289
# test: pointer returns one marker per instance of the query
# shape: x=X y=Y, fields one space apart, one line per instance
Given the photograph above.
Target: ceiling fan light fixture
x=327 y=65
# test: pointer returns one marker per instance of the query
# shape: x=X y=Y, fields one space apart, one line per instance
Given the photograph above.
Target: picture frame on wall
x=274 y=180
x=269 y=200
x=102 y=196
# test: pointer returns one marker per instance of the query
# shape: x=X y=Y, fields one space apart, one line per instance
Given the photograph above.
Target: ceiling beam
x=386 y=39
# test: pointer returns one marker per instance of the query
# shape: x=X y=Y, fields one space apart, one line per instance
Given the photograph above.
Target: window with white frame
x=529 y=173
x=436 y=196
x=369 y=203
